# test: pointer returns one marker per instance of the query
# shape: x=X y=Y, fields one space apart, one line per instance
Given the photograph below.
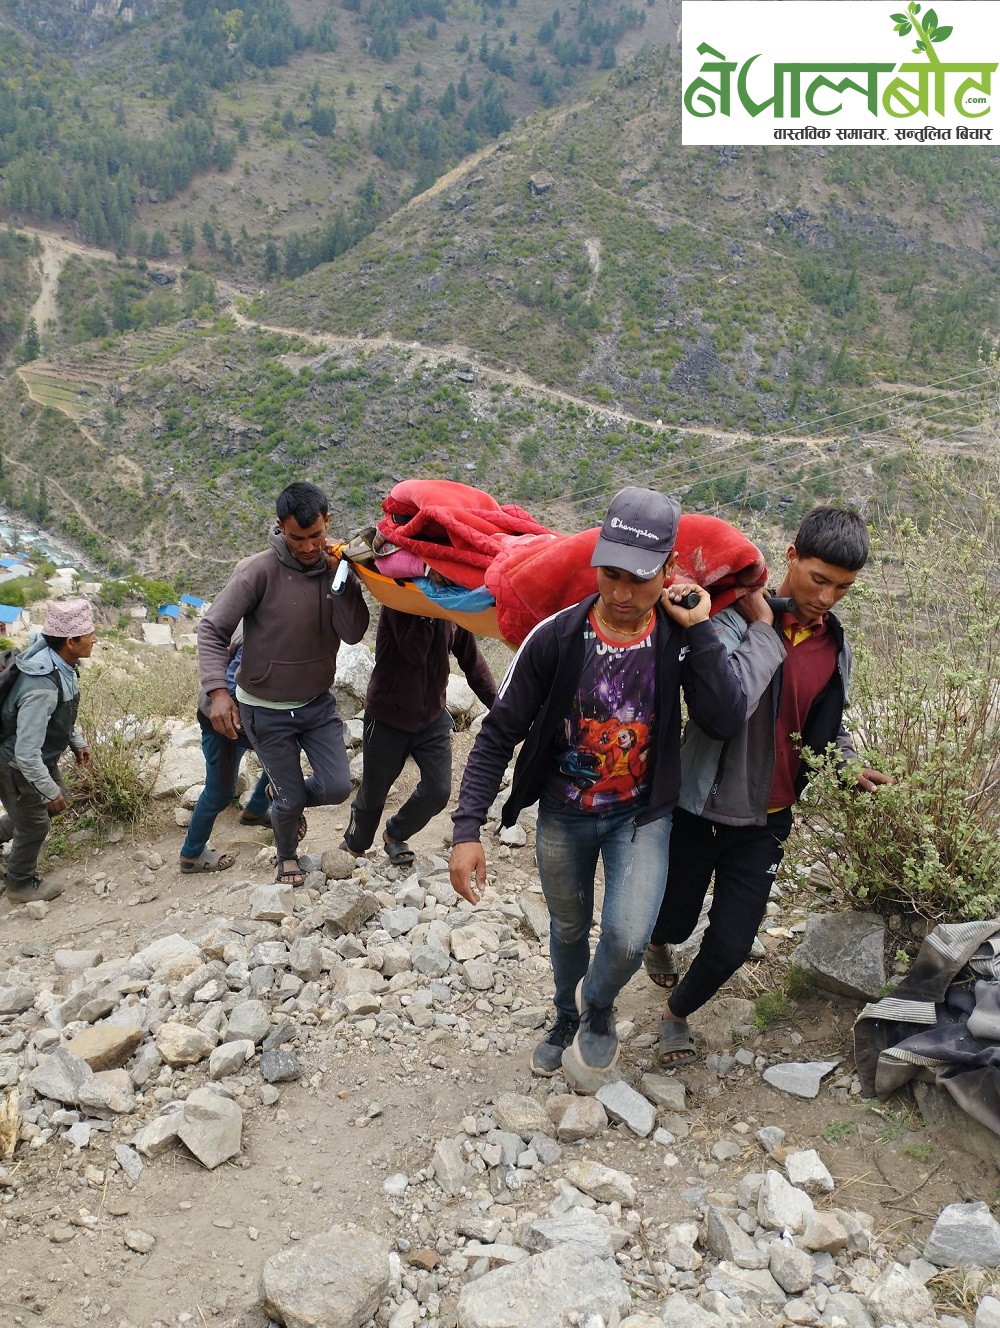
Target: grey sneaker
x=31 y=888
x=547 y=1056
x=596 y=1041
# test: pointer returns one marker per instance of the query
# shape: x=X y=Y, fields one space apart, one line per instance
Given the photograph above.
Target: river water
x=19 y=536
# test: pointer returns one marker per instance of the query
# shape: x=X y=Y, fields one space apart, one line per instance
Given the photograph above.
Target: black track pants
x=743 y=860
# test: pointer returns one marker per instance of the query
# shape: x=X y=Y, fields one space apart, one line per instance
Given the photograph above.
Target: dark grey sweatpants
x=278 y=737
x=385 y=750
x=27 y=821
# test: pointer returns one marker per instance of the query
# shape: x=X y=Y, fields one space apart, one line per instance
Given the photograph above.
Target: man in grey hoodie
x=293 y=623
x=37 y=724
x=737 y=797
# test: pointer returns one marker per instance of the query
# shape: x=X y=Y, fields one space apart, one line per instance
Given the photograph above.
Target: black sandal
x=400 y=853
x=661 y=966
x=285 y=875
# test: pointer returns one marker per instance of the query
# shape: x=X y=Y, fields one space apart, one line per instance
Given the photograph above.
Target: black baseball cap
x=639 y=532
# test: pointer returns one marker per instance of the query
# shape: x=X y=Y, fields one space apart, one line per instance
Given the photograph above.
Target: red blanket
x=456 y=529
x=533 y=577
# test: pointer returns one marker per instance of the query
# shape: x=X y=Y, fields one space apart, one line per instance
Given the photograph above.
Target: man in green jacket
x=37 y=724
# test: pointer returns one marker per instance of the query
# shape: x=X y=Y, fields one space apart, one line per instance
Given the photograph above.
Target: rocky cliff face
x=80 y=22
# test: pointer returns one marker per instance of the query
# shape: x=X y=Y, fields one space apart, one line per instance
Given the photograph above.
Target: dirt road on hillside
x=56 y=250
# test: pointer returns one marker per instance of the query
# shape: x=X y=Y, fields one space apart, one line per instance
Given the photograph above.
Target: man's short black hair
x=835 y=536
x=55 y=643
x=303 y=501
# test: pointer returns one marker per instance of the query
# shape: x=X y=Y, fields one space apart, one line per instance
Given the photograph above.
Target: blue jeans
x=222 y=768
x=567 y=846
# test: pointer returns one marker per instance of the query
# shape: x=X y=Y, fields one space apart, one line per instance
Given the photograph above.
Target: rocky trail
x=238 y=1104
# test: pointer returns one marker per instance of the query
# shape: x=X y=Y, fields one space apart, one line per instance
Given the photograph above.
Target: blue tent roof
x=11 y=562
x=192 y=602
x=168 y=611
x=9 y=614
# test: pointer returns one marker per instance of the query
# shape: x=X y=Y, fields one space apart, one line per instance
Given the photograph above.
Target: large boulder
x=334 y=1280
x=844 y=953
x=354 y=670
x=542 y=1292
x=965 y=1235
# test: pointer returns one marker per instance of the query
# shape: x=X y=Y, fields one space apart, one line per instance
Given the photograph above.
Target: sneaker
x=596 y=1041
x=31 y=888
x=547 y=1056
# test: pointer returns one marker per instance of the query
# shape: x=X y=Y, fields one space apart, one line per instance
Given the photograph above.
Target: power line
x=667 y=475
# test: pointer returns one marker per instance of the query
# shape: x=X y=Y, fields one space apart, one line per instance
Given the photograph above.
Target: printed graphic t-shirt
x=601 y=758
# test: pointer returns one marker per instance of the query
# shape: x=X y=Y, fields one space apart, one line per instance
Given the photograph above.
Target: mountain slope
x=746 y=286
x=641 y=313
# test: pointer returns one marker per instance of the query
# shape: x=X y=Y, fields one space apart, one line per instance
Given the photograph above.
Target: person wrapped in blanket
x=594 y=696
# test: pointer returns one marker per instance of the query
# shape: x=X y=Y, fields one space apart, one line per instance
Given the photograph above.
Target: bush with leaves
x=123 y=704
x=925 y=709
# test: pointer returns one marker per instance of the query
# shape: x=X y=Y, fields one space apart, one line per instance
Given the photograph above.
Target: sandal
x=661 y=966
x=285 y=875
x=400 y=853
x=207 y=861
x=248 y=818
x=676 y=1045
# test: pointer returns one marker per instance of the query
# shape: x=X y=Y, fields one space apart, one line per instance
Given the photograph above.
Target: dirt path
x=56 y=250
x=373 y=1102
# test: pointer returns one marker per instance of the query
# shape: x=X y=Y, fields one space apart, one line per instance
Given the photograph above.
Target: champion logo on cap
x=632 y=530
x=638 y=533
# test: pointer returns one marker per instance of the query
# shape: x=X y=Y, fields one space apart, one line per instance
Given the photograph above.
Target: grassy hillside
x=216 y=132
x=180 y=438
x=755 y=287
x=754 y=330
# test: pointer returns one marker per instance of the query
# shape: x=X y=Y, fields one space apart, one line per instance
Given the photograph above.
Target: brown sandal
x=676 y=1045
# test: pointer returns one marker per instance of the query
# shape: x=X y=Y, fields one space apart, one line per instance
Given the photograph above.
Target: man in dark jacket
x=37 y=724
x=293 y=624
x=406 y=715
x=594 y=694
x=735 y=807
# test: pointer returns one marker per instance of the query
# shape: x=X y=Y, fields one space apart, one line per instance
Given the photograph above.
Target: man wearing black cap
x=594 y=695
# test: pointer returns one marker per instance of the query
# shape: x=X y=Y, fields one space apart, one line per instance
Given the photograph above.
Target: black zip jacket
x=409 y=684
x=537 y=694
x=825 y=721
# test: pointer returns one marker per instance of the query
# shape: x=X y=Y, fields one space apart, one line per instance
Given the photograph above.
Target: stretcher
x=408 y=598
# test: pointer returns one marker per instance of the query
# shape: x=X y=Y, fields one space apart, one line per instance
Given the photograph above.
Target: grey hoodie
x=38 y=720
x=729 y=782
x=292 y=626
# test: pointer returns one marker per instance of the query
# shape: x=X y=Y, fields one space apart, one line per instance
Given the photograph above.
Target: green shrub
x=24 y=591
x=773 y=1007
x=152 y=592
x=924 y=709
x=122 y=706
